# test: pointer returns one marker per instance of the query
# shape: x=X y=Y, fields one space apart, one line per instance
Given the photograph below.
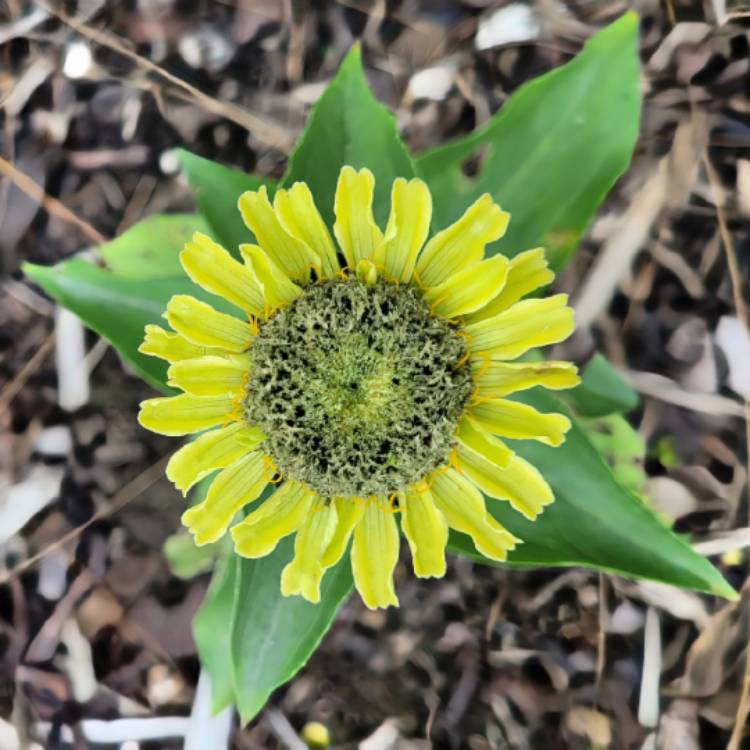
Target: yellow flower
x=364 y=377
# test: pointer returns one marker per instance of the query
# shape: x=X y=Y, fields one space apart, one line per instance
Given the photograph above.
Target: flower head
x=364 y=378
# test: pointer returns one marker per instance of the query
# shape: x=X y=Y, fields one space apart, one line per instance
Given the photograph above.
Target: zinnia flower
x=364 y=380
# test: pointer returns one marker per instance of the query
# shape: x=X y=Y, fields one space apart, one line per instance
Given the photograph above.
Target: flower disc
x=358 y=387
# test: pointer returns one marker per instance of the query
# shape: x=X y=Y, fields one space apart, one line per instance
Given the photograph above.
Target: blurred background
x=95 y=642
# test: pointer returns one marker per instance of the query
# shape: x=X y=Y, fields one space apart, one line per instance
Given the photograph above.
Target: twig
x=648 y=703
x=20 y=27
x=9 y=147
x=53 y=205
x=11 y=389
x=128 y=493
x=735 y=276
x=271 y=133
x=671 y=15
x=665 y=389
x=743 y=709
x=601 y=636
x=671 y=180
x=137 y=203
x=722 y=542
x=283 y=729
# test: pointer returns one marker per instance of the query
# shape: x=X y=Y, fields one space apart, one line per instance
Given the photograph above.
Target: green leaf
x=273 y=636
x=602 y=390
x=349 y=126
x=115 y=308
x=216 y=189
x=118 y=308
x=151 y=248
x=186 y=560
x=212 y=635
x=594 y=522
x=554 y=149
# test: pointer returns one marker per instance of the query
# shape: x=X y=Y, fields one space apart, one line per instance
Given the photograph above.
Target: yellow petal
x=305 y=572
x=295 y=209
x=349 y=511
x=204 y=326
x=375 y=554
x=355 y=228
x=528 y=324
x=462 y=243
x=426 y=530
x=525 y=487
x=234 y=487
x=278 y=289
x=519 y=482
x=170 y=346
x=528 y=271
x=209 y=265
x=184 y=414
x=288 y=253
x=517 y=421
x=496 y=379
x=464 y=510
x=214 y=450
x=367 y=272
x=210 y=376
x=276 y=518
x=474 y=438
x=469 y=289
x=408 y=226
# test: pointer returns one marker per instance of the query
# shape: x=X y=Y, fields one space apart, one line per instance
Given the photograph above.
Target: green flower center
x=358 y=387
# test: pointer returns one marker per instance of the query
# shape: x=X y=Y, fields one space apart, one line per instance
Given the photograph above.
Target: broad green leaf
x=117 y=308
x=213 y=637
x=602 y=390
x=114 y=307
x=273 y=636
x=216 y=189
x=553 y=151
x=151 y=248
x=349 y=126
x=594 y=522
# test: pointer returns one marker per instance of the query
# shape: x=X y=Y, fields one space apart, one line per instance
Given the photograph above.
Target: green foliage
x=151 y=248
x=115 y=307
x=186 y=560
x=595 y=521
x=349 y=126
x=602 y=390
x=265 y=638
x=273 y=636
x=216 y=189
x=213 y=636
x=622 y=448
x=664 y=451
x=119 y=307
x=553 y=151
